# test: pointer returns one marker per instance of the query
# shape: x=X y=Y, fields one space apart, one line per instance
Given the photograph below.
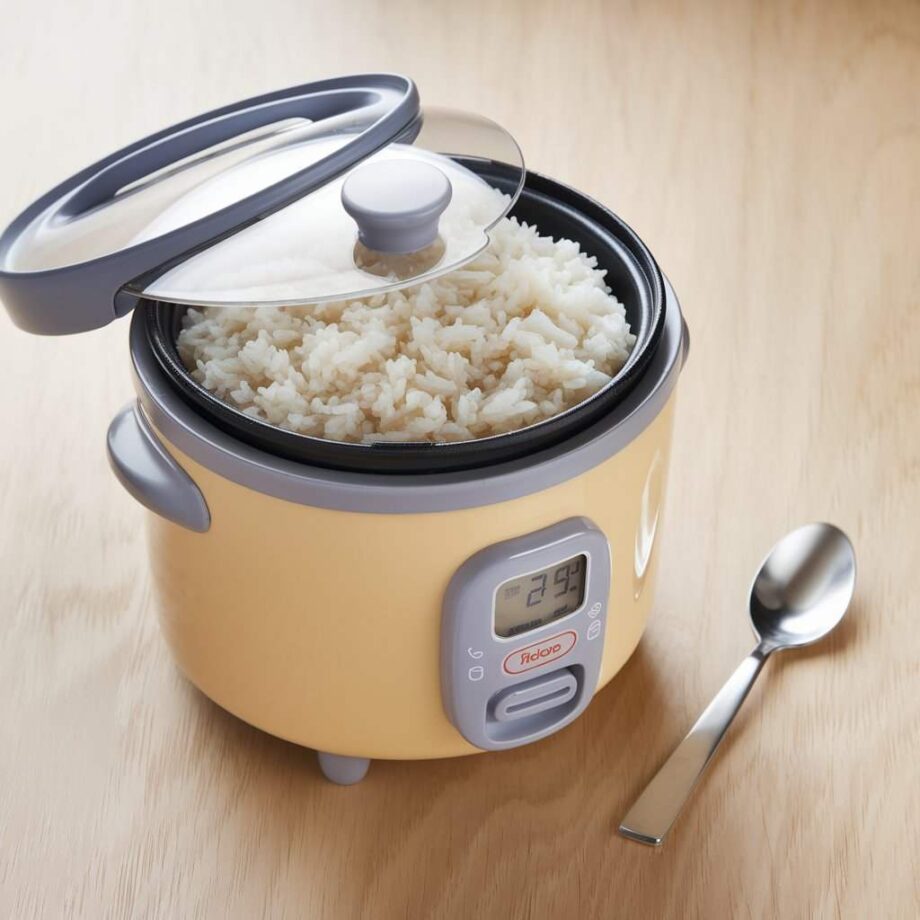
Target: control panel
x=522 y=634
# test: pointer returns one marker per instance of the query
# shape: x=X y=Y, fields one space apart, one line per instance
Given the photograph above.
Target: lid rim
x=92 y=287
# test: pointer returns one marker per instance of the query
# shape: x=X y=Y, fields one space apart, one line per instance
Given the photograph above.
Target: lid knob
x=396 y=203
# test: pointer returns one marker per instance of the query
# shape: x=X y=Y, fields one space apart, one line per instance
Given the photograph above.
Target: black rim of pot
x=555 y=209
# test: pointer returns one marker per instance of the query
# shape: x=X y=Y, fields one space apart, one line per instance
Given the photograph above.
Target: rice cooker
x=384 y=600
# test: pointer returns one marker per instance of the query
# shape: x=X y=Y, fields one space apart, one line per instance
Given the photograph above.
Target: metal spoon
x=800 y=594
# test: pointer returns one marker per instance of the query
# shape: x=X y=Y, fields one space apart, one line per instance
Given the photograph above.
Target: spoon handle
x=653 y=813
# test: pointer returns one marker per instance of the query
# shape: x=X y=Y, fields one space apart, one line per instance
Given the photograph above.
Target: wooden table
x=770 y=156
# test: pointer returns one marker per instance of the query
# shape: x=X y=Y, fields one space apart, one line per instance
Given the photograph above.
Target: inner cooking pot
x=556 y=210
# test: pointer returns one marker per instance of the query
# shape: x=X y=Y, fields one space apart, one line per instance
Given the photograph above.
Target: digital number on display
x=531 y=601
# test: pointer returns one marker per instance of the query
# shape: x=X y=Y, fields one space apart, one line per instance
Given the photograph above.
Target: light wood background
x=769 y=153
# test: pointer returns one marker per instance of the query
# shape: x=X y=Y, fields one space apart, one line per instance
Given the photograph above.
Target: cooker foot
x=343 y=770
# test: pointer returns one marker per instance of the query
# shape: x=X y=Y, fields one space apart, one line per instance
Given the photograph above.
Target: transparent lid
x=60 y=237
x=332 y=190
x=316 y=249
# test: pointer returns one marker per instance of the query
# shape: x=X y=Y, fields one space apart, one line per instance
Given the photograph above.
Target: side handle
x=150 y=474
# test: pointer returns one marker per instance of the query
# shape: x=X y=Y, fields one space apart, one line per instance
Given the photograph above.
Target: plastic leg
x=346 y=771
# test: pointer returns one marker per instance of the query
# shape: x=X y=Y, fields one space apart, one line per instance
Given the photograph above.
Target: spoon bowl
x=804 y=586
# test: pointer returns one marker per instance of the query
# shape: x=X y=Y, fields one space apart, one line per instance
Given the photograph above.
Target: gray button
x=536 y=695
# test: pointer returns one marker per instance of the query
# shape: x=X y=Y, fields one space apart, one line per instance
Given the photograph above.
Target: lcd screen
x=533 y=600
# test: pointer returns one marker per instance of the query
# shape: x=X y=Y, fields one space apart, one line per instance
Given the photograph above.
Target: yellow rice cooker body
x=310 y=603
x=403 y=611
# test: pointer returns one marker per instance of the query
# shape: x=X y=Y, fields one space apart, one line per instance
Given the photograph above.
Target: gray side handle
x=150 y=474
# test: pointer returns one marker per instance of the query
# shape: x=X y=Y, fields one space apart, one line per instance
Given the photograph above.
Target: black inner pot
x=555 y=209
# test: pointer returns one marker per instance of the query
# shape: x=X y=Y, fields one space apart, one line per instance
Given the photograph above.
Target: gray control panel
x=522 y=634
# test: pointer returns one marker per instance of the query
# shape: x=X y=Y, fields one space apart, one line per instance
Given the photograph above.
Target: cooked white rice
x=526 y=330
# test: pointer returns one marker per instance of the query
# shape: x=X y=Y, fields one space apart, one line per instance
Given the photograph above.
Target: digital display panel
x=533 y=600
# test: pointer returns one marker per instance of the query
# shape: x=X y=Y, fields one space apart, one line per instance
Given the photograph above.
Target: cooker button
x=535 y=695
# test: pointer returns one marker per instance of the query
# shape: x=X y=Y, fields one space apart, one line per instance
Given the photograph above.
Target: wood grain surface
x=769 y=153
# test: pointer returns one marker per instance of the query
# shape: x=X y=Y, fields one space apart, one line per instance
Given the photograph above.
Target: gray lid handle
x=396 y=203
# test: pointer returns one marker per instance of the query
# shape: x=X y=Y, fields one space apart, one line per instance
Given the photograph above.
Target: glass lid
x=417 y=208
x=337 y=189
x=83 y=230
